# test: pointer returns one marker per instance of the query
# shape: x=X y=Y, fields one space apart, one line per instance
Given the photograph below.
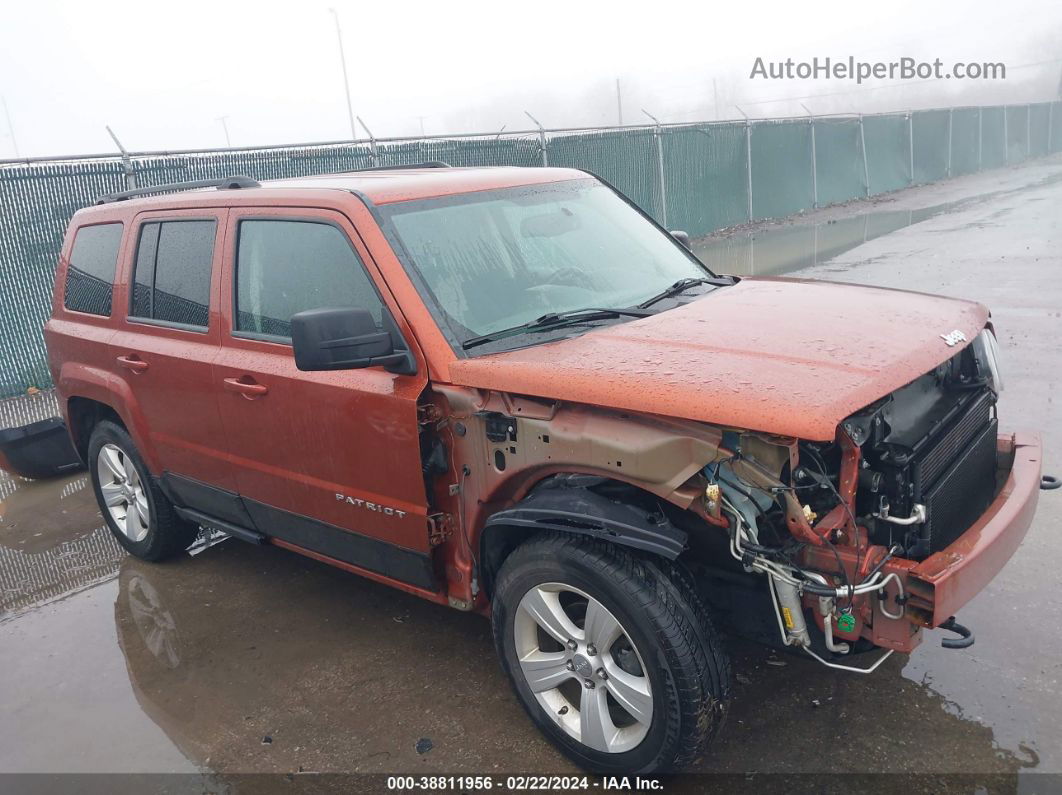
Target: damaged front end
x=892 y=526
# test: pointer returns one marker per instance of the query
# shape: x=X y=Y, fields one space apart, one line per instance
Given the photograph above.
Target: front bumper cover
x=937 y=587
x=945 y=581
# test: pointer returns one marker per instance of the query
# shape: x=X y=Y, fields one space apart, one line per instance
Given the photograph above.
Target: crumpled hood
x=786 y=356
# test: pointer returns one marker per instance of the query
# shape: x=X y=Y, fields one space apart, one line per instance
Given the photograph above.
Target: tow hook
x=965 y=639
x=1050 y=482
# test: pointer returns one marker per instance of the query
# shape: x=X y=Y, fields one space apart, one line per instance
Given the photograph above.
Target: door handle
x=133 y=362
x=246 y=386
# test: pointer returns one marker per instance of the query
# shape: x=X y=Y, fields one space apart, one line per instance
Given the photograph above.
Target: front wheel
x=612 y=655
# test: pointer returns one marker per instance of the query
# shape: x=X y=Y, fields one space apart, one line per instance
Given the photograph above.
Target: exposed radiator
x=963 y=491
x=931 y=463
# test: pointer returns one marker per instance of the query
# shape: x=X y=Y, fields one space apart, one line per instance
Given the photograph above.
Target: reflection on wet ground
x=781 y=249
x=774 y=249
x=242 y=659
x=40 y=557
x=253 y=659
x=245 y=659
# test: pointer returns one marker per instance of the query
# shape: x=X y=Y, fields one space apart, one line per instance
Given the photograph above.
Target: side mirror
x=682 y=237
x=346 y=338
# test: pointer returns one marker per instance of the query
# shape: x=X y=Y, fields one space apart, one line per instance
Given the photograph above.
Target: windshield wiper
x=552 y=320
x=678 y=287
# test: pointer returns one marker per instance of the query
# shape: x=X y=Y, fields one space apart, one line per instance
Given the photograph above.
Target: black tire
x=659 y=610
x=167 y=533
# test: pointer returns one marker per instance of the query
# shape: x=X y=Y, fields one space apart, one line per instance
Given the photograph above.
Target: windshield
x=496 y=259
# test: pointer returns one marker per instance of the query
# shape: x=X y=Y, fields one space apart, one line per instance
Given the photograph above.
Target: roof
x=385 y=186
x=396 y=185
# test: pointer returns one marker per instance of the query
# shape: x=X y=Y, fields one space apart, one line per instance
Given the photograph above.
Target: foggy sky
x=162 y=74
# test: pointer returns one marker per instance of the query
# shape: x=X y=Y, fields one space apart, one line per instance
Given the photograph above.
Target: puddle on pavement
x=52 y=541
x=192 y=664
x=775 y=250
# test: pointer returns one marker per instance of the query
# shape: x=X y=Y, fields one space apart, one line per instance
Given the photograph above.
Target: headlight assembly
x=986 y=354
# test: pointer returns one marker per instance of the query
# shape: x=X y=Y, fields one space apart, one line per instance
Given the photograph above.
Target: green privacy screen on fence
x=626 y=158
x=838 y=161
x=888 y=140
x=964 y=136
x=930 y=145
x=691 y=176
x=781 y=168
x=706 y=161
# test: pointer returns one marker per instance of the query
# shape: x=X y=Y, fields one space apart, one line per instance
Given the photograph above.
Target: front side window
x=90 y=274
x=495 y=259
x=171 y=281
x=285 y=267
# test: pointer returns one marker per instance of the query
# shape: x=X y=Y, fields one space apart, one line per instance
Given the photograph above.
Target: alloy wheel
x=123 y=492
x=583 y=667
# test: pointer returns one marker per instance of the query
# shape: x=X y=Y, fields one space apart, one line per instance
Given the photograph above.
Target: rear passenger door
x=165 y=349
x=326 y=461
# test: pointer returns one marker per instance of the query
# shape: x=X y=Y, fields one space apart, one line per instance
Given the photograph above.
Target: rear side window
x=90 y=275
x=171 y=281
x=285 y=267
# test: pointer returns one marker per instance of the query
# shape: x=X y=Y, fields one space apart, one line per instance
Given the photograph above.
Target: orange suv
x=510 y=391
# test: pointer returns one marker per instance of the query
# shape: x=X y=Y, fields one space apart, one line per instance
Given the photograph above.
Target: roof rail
x=427 y=164
x=227 y=183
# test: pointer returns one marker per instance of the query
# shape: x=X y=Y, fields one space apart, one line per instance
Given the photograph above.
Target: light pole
x=10 y=128
x=225 y=127
x=346 y=81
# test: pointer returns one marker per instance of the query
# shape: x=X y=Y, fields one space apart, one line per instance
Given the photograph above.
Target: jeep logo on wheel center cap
x=582 y=665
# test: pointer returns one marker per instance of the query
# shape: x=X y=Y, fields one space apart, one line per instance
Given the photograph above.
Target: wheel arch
x=579 y=504
x=82 y=415
x=91 y=394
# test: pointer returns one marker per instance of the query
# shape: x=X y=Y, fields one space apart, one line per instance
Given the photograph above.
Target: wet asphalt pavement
x=241 y=659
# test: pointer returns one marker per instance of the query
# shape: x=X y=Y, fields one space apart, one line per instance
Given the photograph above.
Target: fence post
x=1006 y=139
x=1028 y=131
x=980 y=135
x=127 y=163
x=372 y=142
x=1050 y=131
x=814 y=164
x=748 y=160
x=863 y=146
x=910 y=144
x=541 y=139
x=951 y=117
x=661 y=182
x=748 y=156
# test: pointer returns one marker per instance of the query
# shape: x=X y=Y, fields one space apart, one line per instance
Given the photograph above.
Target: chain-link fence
x=699 y=177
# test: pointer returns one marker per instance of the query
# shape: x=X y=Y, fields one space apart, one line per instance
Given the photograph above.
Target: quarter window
x=172 y=277
x=90 y=274
x=286 y=267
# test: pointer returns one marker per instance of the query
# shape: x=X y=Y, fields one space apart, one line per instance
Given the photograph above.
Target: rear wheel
x=134 y=507
x=611 y=655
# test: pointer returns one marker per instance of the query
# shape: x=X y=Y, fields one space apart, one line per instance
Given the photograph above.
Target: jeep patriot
x=510 y=391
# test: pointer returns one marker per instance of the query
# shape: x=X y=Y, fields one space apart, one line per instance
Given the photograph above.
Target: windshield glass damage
x=496 y=260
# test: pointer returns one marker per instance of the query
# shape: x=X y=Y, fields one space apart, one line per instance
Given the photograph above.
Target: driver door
x=328 y=462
